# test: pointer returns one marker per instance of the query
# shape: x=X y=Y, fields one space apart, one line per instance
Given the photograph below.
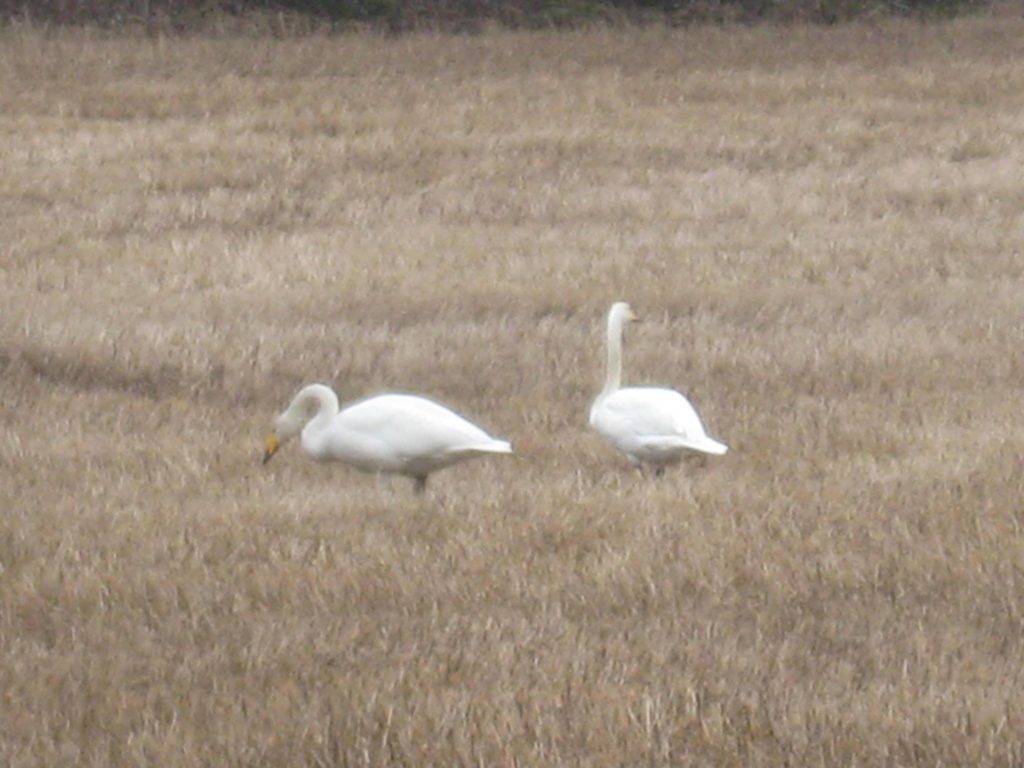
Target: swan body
x=393 y=433
x=650 y=425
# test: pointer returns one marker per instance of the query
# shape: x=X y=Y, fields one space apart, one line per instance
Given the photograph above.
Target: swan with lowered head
x=392 y=433
x=650 y=425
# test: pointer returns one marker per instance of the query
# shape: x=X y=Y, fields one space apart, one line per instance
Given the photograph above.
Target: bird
x=650 y=425
x=389 y=433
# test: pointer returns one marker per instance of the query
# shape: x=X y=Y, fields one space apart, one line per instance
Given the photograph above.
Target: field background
x=824 y=231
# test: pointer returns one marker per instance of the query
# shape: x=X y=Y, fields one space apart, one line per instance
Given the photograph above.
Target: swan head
x=286 y=426
x=305 y=406
x=621 y=313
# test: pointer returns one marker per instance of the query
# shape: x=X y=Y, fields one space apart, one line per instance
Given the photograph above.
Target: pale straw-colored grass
x=824 y=229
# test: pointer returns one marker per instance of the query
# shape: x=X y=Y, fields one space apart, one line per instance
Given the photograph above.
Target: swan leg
x=697 y=460
x=421 y=485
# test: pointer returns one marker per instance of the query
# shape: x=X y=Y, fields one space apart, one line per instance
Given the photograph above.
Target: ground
x=823 y=229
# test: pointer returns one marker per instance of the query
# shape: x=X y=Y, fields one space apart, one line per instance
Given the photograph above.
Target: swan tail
x=712 y=446
x=495 y=446
x=702 y=444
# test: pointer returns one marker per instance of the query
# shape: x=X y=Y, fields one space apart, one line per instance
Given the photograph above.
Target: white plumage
x=649 y=425
x=396 y=434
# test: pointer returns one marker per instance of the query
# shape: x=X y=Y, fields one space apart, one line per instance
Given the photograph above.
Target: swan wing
x=410 y=427
x=660 y=418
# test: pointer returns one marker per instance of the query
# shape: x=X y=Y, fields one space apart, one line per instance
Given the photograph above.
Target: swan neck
x=613 y=372
x=325 y=399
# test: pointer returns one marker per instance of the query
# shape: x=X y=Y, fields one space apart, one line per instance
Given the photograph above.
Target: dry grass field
x=824 y=231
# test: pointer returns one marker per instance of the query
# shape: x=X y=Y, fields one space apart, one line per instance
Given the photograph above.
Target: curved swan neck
x=613 y=373
x=324 y=397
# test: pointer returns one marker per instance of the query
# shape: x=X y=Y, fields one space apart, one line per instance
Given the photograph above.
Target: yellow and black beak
x=272 y=445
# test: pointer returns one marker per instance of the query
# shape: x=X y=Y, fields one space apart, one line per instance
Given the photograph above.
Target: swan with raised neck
x=650 y=425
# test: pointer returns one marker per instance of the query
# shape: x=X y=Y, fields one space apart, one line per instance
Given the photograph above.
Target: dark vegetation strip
x=454 y=15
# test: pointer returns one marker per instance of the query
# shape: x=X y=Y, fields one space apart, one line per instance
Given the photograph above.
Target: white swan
x=649 y=424
x=397 y=434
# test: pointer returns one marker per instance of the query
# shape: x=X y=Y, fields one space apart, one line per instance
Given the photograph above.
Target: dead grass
x=823 y=228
